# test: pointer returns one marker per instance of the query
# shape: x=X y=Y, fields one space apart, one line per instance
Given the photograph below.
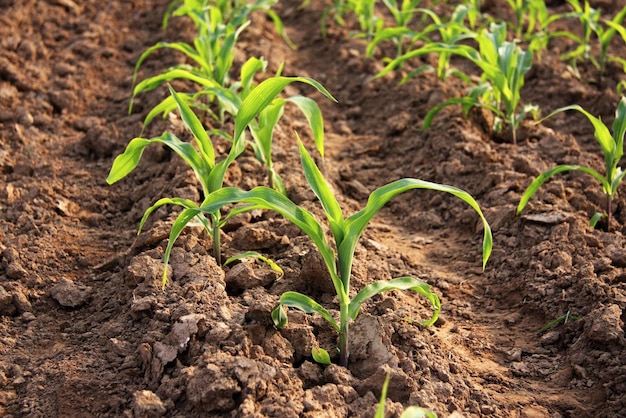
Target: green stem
x=217 y=252
x=609 y=207
x=344 y=352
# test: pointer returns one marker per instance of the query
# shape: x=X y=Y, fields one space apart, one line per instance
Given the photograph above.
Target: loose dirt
x=86 y=330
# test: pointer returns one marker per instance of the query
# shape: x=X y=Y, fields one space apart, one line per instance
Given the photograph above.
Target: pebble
x=70 y=294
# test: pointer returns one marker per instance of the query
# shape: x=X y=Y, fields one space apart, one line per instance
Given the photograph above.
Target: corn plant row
x=346 y=231
x=219 y=24
x=503 y=64
x=256 y=112
x=256 y=109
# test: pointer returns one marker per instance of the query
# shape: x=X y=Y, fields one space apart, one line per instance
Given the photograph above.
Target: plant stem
x=609 y=207
x=217 y=253
x=343 y=342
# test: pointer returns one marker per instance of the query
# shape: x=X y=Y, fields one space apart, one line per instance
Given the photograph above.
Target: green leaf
x=264 y=132
x=400 y=283
x=595 y=218
x=248 y=70
x=194 y=125
x=126 y=162
x=262 y=95
x=258 y=256
x=279 y=317
x=602 y=133
x=266 y=198
x=619 y=128
x=543 y=177
x=323 y=192
x=185 y=203
x=320 y=355
x=177 y=228
x=173 y=74
x=313 y=114
x=357 y=222
x=380 y=411
x=307 y=305
x=179 y=46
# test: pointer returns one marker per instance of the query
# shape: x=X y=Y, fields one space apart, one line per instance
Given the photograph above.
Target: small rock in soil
x=605 y=325
x=6 y=302
x=550 y=338
x=143 y=268
x=618 y=257
x=70 y=294
x=371 y=346
x=243 y=276
x=301 y=338
x=324 y=399
x=183 y=330
x=147 y=404
x=310 y=373
x=278 y=347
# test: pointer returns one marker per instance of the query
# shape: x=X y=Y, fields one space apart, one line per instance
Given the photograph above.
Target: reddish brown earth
x=85 y=329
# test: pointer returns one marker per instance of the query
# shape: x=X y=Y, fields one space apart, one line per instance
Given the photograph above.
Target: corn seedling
x=233 y=12
x=202 y=161
x=218 y=25
x=263 y=125
x=557 y=321
x=532 y=21
x=592 y=24
x=212 y=53
x=402 y=12
x=527 y=13
x=410 y=412
x=538 y=33
x=450 y=32
x=503 y=66
x=363 y=10
x=612 y=147
x=346 y=233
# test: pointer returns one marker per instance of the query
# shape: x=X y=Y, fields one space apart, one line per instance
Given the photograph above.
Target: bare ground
x=85 y=329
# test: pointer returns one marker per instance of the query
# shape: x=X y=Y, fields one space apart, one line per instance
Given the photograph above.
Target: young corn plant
x=234 y=12
x=612 y=145
x=538 y=33
x=202 y=159
x=263 y=125
x=403 y=12
x=451 y=32
x=212 y=53
x=218 y=25
x=527 y=13
x=363 y=10
x=592 y=24
x=338 y=258
x=503 y=65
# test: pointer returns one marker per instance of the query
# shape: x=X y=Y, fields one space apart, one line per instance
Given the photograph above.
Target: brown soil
x=85 y=329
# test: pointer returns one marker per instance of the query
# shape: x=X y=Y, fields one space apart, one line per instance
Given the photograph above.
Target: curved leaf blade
x=543 y=177
x=128 y=160
x=305 y=304
x=400 y=283
x=262 y=95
